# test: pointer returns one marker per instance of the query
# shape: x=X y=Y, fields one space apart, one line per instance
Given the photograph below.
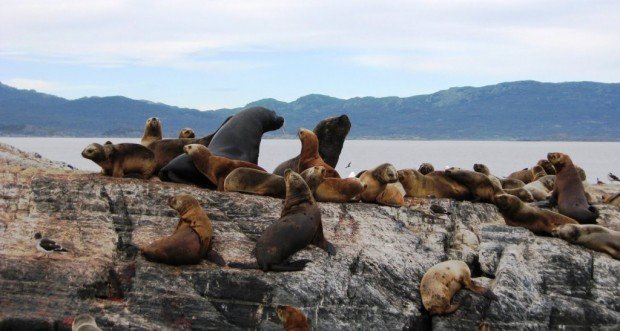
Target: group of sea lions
x=226 y=160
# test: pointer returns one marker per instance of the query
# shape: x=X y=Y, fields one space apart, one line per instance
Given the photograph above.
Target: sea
x=502 y=157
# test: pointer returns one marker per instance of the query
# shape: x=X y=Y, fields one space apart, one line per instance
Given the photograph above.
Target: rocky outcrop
x=371 y=283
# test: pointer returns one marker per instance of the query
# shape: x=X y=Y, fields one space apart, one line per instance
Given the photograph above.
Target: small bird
x=613 y=177
x=598 y=181
x=47 y=246
x=348 y=165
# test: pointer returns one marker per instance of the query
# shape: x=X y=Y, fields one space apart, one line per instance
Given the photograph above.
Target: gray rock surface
x=372 y=282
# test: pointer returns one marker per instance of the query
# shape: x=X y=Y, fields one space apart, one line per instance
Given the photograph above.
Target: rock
x=372 y=282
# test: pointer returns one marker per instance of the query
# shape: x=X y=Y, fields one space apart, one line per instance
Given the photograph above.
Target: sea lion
x=522 y=193
x=538 y=172
x=594 y=237
x=255 y=181
x=215 y=168
x=84 y=323
x=238 y=138
x=309 y=155
x=393 y=195
x=187 y=133
x=511 y=183
x=331 y=189
x=612 y=199
x=122 y=160
x=191 y=238
x=568 y=191
x=539 y=221
x=426 y=168
x=435 y=184
x=480 y=186
x=293 y=319
x=376 y=181
x=541 y=187
x=299 y=226
x=525 y=175
x=547 y=166
x=483 y=169
x=331 y=133
x=442 y=281
x=166 y=150
x=152 y=131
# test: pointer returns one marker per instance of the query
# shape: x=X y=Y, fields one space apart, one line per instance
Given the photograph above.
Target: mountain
x=523 y=110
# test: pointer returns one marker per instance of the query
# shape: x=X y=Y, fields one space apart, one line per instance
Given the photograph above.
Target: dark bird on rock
x=598 y=181
x=437 y=209
x=613 y=177
x=47 y=246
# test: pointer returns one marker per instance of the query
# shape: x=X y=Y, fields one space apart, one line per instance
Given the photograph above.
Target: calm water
x=502 y=157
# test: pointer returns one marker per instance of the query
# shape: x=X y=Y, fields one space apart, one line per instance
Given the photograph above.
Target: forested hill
x=525 y=110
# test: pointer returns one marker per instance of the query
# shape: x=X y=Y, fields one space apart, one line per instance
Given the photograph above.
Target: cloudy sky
x=213 y=54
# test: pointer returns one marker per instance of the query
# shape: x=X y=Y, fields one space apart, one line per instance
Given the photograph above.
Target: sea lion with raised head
x=483 y=169
x=376 y=181
x=539 y=221
x=293 y=319
x=187 y=133
x=594 y=237
x=152 y=131
x=254 y=181
x=547 y=166
x=299 y=226
x=327 y=189
x=426 y=168
x=568 y=191
x=442 y=281
x=331 y=133
x=215 y=168
x=433 y=185
x=309 y=155
x=122 y=160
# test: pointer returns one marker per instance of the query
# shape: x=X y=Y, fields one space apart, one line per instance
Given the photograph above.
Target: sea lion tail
x=290 y=266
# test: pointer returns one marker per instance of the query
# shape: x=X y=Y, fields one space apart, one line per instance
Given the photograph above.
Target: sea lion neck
x=297 y=192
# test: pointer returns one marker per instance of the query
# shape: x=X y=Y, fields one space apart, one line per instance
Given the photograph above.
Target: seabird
x=47 y=246
x=348 y=165
x=613 y=177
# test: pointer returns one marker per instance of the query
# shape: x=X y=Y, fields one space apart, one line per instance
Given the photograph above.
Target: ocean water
x=502 y=157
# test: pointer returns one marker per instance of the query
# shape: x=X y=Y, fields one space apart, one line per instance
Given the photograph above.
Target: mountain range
x=522 y=110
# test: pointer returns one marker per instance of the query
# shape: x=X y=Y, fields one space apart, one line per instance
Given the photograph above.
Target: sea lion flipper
x=216 y=258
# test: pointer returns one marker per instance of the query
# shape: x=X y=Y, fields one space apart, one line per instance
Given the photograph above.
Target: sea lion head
x=270 y=120
x=481 y=168
x=305 y=134
x=183 y=203
x=292 y=318
x=507 y=202
x=548 y=181
x=549 y=168
x=333 y=128
x=187 y=133
x=313 y=176
x=426 y=168
x=153 y=123
x=538 y=172
x=96 y=152
x=196 y=149
x=559 y=160
x=297 y=191
x=385 y=174
x=568 y=232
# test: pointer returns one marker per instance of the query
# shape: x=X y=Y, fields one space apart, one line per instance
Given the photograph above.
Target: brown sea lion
x=393 y=195
x=541 y=188
x=480 y=186
x=332 y=189
x=426 y=168
x=293 y=319
x=483 y=169
x=152 y=131
x=299 y=226
x=215 y=168
x=166 y=150
x=568 y=191
x=435 y=184
x=309 y=155
x=248 y=180
x=122 y=160
x=594 y=237
x=525 y=175
x=442 y=281
x=612 y=199
x=187 y=133
x=538 y=172
x=191 y=238
x=547 y=166
x=376 y=181
x=522 y=193
x=539 y=221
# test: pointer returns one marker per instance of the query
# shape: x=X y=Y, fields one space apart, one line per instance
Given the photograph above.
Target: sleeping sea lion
x=122 y=160
x=480 y=186
x=594 y=237
x=248 y=180
x=332 y=189
x=434 y=185
x=539 y=221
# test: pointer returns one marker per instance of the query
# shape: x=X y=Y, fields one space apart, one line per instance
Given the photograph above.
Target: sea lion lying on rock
x=254 y=181
x=594 y=237
x=376 y=181
x=332 y=189
x=539 y=221
x=434 y=185
x=122 y=160
x=293 y=319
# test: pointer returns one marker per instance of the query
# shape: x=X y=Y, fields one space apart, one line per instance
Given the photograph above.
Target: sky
x=215 y=54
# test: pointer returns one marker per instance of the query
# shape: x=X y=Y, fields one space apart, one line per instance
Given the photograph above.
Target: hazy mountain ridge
x=524 y=110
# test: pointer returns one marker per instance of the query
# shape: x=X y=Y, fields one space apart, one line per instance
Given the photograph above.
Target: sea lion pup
x=332 y=189
x=547 y=166
x=568 y=191
x=187 y=133
x=426 y=168
x=525 y=175
x=191 y=239
x=376 y=181
x=152 y=131
x=442 y=281
x=435 y=184
x=539 y=221
x=122 y=160
x=309 y=155
x=612 y=199
x=215 y=168
x=293 y=319
x=331 y=133
x=480 y=186
x=299 y=226
x=84 y=323
x=247 y=180
x=594 y=237
x=483 y=169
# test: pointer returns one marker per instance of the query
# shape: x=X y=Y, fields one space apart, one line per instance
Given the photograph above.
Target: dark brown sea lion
x=187 y=133
x=299 y=226
x=332 y=189
x=539 y=221
x=309 y=155
x=122 y=160
x=426 y=168
x=152 y=131
x=166 y=150
x=481 y=187
x=376 y=180
x=293 y=319
x=435 y=185
x=594 y=237
x=547 y=166
x=255 y=181
x=483 y=169
x=331 y=133
x=568 y=191
x=191 y=238
x=442 y=281
x=215 y=168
